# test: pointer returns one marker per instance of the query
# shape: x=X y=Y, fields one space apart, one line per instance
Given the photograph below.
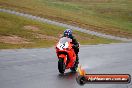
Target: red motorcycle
x=66 y=55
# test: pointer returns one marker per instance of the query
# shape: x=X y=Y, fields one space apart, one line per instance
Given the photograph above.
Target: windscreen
x=64 y=40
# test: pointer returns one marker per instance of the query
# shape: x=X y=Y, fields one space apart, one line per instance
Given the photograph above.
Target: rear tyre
x=61 y=66
x=74 y=68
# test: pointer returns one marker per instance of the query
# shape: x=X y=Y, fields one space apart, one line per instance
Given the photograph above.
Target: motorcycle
x=66 y=55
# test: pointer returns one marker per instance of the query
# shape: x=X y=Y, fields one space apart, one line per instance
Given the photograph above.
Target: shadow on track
x=68 y=75
x=66 y=80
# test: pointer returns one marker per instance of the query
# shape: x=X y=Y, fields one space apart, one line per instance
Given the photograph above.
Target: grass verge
x=108 y=16
x=36 y=34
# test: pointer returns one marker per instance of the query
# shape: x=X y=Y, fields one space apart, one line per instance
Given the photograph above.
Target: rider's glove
x=74 y=46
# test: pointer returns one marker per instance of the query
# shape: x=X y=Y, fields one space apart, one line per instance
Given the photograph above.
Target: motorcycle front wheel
x=61 y=66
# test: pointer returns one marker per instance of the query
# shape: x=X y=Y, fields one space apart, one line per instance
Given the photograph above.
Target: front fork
x=62 y=56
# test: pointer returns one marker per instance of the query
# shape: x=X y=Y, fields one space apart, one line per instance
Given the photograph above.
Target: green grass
x=14 y=25
x=107 y=16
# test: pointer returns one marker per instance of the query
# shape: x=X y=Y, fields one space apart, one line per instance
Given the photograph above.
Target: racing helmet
x=68 y=33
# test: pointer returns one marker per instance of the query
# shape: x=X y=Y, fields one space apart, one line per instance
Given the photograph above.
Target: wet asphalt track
x=37 y=68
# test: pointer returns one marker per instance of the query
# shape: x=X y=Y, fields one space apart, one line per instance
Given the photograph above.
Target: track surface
x=37 y=68
x=64 y=25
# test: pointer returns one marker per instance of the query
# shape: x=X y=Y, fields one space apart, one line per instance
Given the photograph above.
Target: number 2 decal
x=62 y=45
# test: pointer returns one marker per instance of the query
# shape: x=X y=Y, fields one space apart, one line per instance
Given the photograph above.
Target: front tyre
x=61 y=66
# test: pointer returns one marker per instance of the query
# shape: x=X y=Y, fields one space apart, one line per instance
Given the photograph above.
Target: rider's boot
x=77 y=59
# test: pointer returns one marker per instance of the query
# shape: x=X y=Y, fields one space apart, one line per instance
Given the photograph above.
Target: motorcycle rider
x=68 y=33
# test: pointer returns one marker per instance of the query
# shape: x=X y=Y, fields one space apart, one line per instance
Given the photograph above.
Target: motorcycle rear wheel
x=74 y=68
x=61 y=66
